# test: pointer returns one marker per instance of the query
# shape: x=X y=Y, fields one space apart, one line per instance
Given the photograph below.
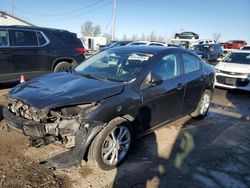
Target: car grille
x=238 y=82
x=232 y=73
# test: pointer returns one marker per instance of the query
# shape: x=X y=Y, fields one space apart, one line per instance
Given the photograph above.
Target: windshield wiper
x=91 y=76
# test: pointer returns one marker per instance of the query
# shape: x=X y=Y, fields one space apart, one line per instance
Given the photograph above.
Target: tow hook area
x=40 y=141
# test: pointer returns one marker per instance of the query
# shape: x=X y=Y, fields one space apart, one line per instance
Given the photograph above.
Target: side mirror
x=154 y=79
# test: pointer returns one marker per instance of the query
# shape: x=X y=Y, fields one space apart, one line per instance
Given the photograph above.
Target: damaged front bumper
x=39 y=135
x=23 y=126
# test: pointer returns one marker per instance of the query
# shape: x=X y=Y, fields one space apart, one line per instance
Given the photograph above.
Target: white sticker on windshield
x=138 y=57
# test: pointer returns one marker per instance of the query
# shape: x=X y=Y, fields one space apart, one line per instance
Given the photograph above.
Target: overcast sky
x=231 y=18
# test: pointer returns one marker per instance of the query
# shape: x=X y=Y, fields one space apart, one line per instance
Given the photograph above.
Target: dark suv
x=208 y=52
x=32 y=51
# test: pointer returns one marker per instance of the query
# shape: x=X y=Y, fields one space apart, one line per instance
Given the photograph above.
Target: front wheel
x=111 y=145
x=203 y=106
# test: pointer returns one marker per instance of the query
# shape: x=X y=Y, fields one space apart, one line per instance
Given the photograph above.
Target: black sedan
x=97 y=109
x=186 y=35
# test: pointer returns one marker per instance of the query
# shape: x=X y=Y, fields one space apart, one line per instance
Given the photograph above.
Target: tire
x=62 y=66
x=104 y=140
x=203 y=106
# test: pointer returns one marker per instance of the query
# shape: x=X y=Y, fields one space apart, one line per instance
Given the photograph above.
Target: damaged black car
x=97 y=109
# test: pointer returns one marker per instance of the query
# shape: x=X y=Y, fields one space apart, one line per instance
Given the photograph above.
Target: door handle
x=179 y=86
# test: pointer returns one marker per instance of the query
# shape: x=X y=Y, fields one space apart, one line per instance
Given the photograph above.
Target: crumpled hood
x=234 y=67
x=62 y=89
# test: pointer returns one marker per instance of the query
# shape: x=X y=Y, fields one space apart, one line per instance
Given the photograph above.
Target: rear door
x=163 y=101
x=26 y=49
x=6 y=66
x=194 y=82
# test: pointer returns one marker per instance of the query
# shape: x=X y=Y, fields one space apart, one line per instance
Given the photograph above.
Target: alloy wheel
x=116 y=145
x=205 y=103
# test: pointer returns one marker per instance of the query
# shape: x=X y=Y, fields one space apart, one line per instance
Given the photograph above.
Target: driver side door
x=162 y=100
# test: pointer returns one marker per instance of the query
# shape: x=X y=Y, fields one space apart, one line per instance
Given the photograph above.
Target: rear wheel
x=62 y=66
x=111 y=145
x=203 y=106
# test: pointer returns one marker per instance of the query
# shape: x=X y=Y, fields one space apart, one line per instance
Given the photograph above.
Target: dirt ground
x=214 y=152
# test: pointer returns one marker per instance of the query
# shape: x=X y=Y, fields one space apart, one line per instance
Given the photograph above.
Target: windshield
x=246 y=48
x=241 y=58
x=120 y=66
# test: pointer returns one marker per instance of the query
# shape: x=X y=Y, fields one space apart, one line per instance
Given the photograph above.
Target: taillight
x=80 y=50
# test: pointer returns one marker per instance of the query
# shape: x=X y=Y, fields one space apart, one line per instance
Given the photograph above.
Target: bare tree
x=108 y=37
x=216 y=36
x=143 y=37
x=97 y=30
x=87 y=29
x=135 y=37
x=161 y=38
x=152 y=36
x=124 y=37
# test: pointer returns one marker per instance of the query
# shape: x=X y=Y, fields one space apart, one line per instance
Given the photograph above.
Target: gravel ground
x=213 y=152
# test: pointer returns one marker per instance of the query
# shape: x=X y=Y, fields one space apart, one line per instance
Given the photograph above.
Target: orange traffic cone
x=22 y=79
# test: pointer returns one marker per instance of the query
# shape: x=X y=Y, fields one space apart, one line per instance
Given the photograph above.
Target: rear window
x=67 y=37
x=24 y=38
x=41 y=39
x=191 y=63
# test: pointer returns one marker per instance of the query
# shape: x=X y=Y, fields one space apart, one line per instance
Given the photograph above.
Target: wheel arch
x=95 y=131
x=68 y=59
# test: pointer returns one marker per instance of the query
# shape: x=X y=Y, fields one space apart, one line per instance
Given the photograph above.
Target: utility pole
x=12 y=9
x=113 y=22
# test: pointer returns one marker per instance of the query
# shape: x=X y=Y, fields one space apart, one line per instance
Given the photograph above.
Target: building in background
x=7 y=19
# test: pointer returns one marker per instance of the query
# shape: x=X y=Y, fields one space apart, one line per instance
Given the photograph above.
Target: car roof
x=241 y=51
x=30 y=27
x=146 y=49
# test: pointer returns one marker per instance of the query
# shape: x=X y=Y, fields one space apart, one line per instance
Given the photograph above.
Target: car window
x=155 y=44
x=190 y=63
x=67 y=37
x=168 y=67
x=24 y=38
x=138 y=43
x=41 y=39
x=4 y=38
